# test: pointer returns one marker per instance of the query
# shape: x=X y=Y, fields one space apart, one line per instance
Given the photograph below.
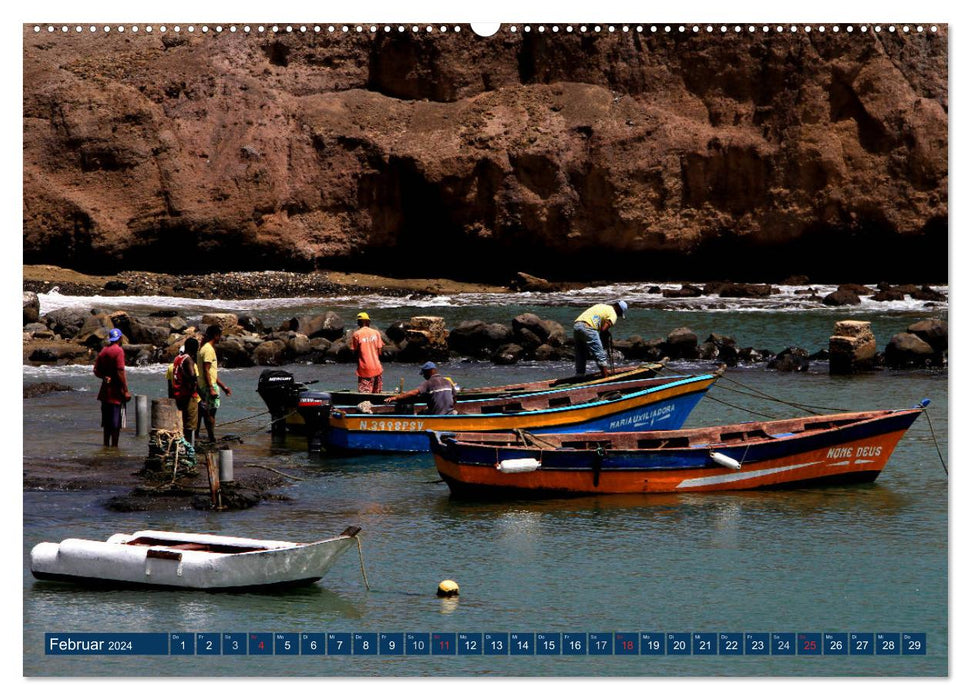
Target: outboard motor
x=314 y=408
x=280 y=393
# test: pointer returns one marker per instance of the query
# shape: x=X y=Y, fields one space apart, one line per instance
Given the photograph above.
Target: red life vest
x=182 y=386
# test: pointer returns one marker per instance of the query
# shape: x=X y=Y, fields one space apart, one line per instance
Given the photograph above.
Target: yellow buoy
x=447 y=589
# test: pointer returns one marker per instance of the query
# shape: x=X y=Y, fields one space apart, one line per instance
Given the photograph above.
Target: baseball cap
x=623 y=308
x=363 y=316
x=114 y=335
x=427 y=366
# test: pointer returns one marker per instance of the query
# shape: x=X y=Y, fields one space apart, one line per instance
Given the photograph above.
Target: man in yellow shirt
x=209 y=384
x=588 y=329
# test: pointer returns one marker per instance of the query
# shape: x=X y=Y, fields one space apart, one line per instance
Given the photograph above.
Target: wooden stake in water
x=215 y=493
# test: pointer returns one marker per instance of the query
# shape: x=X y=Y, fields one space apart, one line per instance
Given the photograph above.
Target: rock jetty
x=72 y=337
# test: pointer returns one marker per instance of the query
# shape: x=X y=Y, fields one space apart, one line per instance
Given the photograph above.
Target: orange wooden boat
x=831 y=449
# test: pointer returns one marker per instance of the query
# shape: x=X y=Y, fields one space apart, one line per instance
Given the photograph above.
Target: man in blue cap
x=437 y=391
x=589 y=330
x=109 y=367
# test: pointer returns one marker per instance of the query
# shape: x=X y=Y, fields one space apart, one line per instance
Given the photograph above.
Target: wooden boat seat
x=192 y=546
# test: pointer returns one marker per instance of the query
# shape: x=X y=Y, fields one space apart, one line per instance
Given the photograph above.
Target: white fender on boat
x=724 y=461
x=516 y=466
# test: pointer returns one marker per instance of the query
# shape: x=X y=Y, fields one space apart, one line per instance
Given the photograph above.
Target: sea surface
x=866 y=558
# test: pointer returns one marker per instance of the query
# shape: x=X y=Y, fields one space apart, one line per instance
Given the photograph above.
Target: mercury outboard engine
x=314 y=408
x=280 y=393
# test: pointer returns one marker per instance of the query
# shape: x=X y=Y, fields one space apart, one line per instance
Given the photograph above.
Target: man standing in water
x=209 y=384
x=366 y=344
x=588 y=331
x=109 y=367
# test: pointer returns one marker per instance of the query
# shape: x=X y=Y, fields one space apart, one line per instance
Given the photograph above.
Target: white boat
x=188 y=560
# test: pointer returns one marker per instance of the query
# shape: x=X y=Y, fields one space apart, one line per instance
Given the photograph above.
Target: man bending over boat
x=589 y=328
x=437 y=391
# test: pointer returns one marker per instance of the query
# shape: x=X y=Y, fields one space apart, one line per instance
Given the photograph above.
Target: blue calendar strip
x=628 y=643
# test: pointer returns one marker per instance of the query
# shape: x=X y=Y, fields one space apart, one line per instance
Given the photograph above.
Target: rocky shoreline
x=71 y=336
x=235 y=285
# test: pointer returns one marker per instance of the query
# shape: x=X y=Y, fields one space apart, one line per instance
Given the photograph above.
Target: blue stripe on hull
x=669 y=414
x=376 y=440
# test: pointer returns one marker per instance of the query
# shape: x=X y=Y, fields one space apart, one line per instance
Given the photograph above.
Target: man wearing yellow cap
x=366 y=344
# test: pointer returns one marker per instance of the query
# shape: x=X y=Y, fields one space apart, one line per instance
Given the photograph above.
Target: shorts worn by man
x=367 y=344
x=587 y=330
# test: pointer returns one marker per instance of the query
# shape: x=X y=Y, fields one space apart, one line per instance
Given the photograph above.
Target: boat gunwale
x=443 y=439
x=706 y=379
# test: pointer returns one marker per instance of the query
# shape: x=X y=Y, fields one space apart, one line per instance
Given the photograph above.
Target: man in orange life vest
x=366 y=344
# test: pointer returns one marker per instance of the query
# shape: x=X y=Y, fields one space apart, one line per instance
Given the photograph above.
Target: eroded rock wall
x=454 y=155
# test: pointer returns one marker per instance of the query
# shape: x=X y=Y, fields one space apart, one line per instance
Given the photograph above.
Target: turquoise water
x=870 y=558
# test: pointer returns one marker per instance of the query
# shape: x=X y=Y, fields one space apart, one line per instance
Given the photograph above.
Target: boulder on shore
x=932 y=331
x=842 y=297
x=271 y=353
x=681 y=344
x=508 y=354
x=60 y=352
x=35 y=389
x=725 y=348
x=858 y=289
x=326 y=325
x=636 y=348
x=925 y=293
x=233 y=352
x=792 y=359
x=228 y=322
x=66 y=322
x=687 y=290
x=908 y=350
x=478 y=339
x=31 y=308
x=252 y=324
x=524 y=282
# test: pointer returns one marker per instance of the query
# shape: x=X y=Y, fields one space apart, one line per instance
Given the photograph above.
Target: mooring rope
x=741 y=408
x=277 y=471
x=761 y=394
x=262 y=428
x=255 y=415
x=933 y=435
x=360 y=551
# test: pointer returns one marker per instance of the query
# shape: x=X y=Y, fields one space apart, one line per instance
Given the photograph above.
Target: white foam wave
x=643 y=295
x=55 y=372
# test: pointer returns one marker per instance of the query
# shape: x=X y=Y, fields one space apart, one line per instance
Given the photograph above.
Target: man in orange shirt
x=366 y=344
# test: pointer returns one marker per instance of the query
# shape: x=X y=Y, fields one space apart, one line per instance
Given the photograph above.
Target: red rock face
x=594 y=156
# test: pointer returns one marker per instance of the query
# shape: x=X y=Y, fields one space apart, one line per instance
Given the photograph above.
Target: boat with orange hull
x=818 y=450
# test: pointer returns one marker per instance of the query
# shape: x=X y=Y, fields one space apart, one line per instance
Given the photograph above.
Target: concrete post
x=141 y=415
x=225 y=466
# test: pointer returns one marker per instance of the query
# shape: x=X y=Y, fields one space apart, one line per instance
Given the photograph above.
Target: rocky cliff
x=451 y=155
